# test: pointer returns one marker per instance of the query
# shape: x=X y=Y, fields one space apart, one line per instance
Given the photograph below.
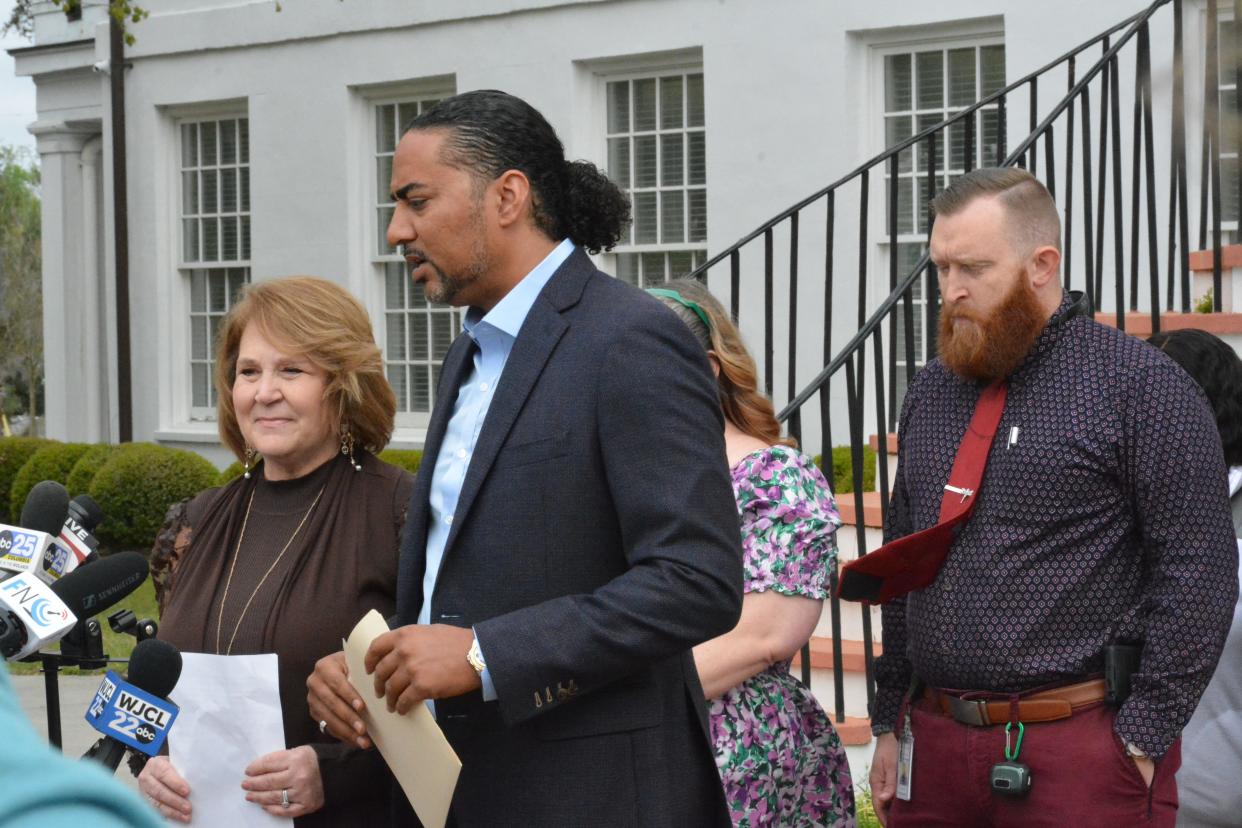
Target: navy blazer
x=594 y=543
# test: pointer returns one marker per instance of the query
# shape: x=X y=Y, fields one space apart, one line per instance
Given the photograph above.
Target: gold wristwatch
x=474 y=656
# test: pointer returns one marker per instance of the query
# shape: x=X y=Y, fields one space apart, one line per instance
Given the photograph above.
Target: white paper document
x=230 y=716
x=413 y=745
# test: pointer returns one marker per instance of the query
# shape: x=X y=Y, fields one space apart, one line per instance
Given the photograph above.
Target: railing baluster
x=1103 y=182
x=854 y=392
x=1068 y=243
x=1179 y=154
x=735 y=282
x=1119 y=243
x=793 y=318
x=1211 y=129
x=932 y=292
x=864 y=184
x=1235 y=127
x=1088 y=226
x=968 y=151
x=1032 y=160
x=893 y=182
x=1050 y=173
x=1153 y=253
x=1002 y=129
x=769 y=353
x=830 y=223
x=1136 y=181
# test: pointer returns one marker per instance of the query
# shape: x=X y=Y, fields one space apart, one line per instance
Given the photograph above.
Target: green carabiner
x=1013 y=757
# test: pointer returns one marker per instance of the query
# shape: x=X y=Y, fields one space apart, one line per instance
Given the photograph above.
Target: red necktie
x=913 y=562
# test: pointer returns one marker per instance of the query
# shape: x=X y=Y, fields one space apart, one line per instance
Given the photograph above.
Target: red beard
x=989 y=348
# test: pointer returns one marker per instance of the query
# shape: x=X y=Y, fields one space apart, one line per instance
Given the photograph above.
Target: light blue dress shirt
x=494 y=333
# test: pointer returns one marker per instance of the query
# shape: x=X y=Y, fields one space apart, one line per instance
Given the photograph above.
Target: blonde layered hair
x=738 y=380
x=320 y=321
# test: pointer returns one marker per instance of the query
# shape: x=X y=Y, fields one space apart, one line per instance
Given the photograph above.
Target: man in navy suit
x=573 y=532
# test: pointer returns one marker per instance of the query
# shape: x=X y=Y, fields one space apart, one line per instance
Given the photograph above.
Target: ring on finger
x=323 y=725
x=284 y=798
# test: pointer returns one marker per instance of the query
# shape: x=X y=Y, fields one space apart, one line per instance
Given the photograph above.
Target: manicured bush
x=408 y=459
x=14 y=452
x=88 y=465
x=226 y=476
x=138 y=484
x=52 y=462
x=843 y=469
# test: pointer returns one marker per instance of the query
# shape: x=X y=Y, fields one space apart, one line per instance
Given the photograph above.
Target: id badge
x=905 y=764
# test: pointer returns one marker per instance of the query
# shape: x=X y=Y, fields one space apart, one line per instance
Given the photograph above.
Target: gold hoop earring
x=248 y=462
x=347 y=447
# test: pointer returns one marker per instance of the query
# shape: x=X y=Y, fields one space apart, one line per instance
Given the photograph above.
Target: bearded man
x=1100 y=532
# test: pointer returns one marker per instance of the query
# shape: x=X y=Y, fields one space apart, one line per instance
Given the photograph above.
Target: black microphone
x=154 y=667
x=46 y=507
x=92 y=589
x=75 y=536
x=86 y=512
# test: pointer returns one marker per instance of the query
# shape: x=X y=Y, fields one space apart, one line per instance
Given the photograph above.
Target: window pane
x=921 y=198
x=198 y=291
x=198 y=337
x=228 y=191
x=924 y=122
x=653 y=269
x=394 y=336
x=207 y=135
x=420 y=341
x=228 y=142
x=627 y=268
x=383 y=179
x=645 y=218
x=406 y=112
x=189 y=240
x=1229 y=189
x=896 y=83
x=619 y=106
x=441 y=334
x=243 y=176
x=245 y=237
x=961 y=77
x=396 y=378
x=228 y=238
x=987 y=146
x=696 y=162
x=237 y=280
x=644 y=105
x=385 y=127
x=671 y=116
x=217 y=292
x=905 y=214
x=243 y=140
x=672 y=160
x=189 y=193
x=694 y=100
x=211 y=240
x=394 y=285
x=672 y=216
x=420 y=388
x=619 y=161
x=680 y=262
x=896 y=130
x=383 y=215
x=698 y=215
x=1228 y=113
x=210 y=193
x=645 y=161
x=202 y=398
x=957 y=146
x=929 y=69
x=189 y=145
x=992 y=70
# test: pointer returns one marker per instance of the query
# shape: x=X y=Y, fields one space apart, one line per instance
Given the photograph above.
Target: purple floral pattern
x=778 y=755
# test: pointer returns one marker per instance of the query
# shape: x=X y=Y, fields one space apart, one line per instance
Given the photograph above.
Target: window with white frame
x=215 y=238
x=417 y=334
x=923 y=87
x=657 y=153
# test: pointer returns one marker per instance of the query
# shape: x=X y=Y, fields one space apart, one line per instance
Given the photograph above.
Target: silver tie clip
x=965 y=493
x=1013 y=438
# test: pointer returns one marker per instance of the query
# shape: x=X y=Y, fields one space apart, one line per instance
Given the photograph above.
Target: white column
x=75 y=382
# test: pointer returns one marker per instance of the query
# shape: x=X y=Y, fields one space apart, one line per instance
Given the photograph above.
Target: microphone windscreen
x=46 y=508
x=86 y=512
x=155 y=666
x=89 y=590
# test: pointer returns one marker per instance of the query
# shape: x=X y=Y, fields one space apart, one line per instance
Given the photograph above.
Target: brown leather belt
x=1042 y=706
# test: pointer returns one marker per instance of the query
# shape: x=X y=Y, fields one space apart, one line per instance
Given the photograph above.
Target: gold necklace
x=232 y=566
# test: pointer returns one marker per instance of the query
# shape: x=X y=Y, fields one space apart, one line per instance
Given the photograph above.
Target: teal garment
x=44 y=789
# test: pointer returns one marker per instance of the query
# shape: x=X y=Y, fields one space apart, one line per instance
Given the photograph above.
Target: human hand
x=419 y=662
x=332 y=699
x=165 y=789
x=293 y=773
x=883 y=777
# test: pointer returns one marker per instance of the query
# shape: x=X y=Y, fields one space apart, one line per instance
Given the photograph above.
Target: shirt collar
x=511 y=311
x=1073 y=304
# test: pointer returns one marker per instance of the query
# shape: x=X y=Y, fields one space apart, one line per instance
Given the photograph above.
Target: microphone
x=34 y=614
x=135 y=714
x=75 y=535
x=30 y=547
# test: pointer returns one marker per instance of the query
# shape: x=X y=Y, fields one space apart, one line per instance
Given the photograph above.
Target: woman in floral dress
x=779 y=758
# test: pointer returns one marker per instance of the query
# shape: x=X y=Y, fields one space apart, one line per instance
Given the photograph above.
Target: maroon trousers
x=1080 y=775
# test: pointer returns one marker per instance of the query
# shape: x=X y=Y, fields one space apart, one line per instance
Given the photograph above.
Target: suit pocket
x=625 y=706
x=533 y=451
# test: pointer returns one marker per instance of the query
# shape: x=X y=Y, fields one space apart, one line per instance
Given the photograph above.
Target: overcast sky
x=17 y=95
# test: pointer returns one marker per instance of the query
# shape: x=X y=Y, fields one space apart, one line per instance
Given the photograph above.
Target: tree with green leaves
x=21 y=273
x=21 y=20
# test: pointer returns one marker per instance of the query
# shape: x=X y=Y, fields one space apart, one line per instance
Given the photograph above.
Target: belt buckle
x=969 y=711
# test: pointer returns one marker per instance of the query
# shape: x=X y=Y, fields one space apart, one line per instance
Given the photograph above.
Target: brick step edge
x=853 y=731
x=872 y=514
x=874 y=442
x=852 y=658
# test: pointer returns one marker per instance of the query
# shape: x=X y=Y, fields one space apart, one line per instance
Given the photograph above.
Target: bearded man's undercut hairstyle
x=1032 y=215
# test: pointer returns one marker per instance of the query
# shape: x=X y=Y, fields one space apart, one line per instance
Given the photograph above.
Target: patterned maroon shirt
x=1108 y=519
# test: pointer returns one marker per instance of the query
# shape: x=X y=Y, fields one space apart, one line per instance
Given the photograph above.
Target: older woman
x=287 y=557
x=779 y=758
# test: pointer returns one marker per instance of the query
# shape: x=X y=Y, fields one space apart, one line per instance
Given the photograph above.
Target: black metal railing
x=1074 y=145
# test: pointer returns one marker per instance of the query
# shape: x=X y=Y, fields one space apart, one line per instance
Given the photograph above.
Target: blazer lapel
x=457 y=364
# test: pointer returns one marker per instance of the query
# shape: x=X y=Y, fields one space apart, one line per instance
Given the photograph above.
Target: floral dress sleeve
x=789 y=523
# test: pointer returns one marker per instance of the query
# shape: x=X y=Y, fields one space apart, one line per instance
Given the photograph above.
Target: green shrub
x=226 y=476
x=52 y=462
x=88 y=465
x=138 y=484
x=408 y=459
x=1205 y=304
x=14 y=452
x=865 y=809
x=843 y=469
